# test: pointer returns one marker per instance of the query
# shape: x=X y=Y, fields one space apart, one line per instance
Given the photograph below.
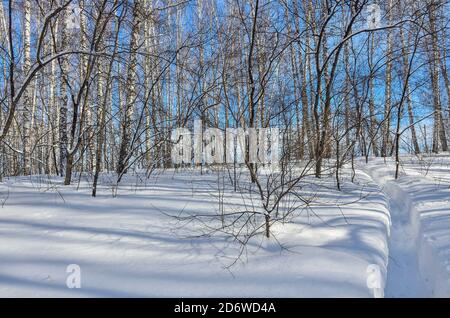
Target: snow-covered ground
x=129 y=245
x=420 y=209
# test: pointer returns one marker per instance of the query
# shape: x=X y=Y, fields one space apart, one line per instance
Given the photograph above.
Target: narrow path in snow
x=403 y=277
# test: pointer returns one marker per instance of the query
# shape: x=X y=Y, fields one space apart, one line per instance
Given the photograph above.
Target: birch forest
x=91 y=86
x=349 y=99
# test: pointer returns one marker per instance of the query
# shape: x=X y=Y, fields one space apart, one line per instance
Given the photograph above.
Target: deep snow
x=128 y=246
x=420 y=209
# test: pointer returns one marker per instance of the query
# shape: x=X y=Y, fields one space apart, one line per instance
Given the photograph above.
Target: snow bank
x=128 y=246
x=426 y=203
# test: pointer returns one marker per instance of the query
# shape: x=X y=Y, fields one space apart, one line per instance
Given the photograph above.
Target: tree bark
x=131 y=94
x=27 y=104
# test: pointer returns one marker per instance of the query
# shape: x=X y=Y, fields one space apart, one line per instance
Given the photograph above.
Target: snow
x=130 y=246
x=420 y=208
